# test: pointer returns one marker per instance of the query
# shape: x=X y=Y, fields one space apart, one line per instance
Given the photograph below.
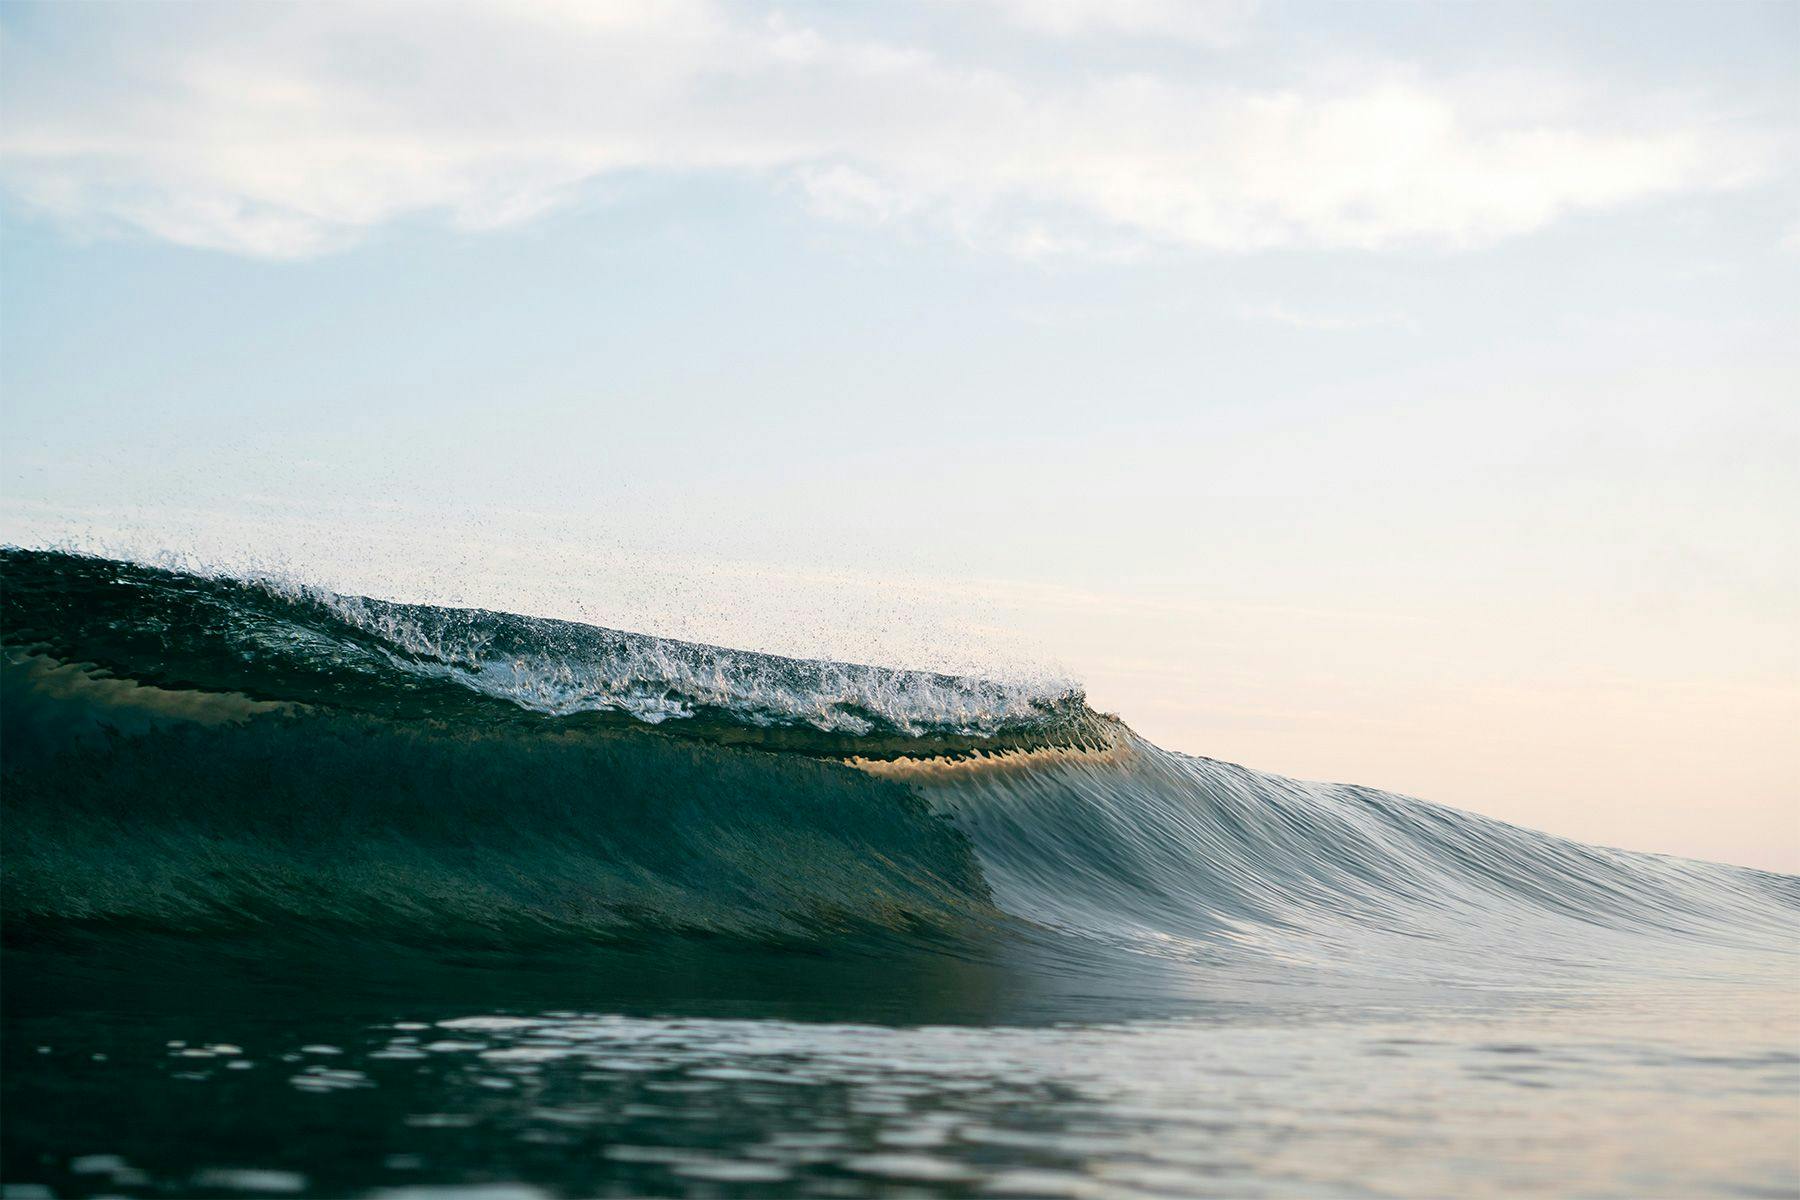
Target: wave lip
x=275 y=639
x=560 y=668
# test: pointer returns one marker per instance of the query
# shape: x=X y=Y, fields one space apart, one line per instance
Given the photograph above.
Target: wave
x=201 y=756
x=279 y=640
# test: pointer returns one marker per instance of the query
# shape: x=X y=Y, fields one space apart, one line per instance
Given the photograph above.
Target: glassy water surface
x=272 y=1091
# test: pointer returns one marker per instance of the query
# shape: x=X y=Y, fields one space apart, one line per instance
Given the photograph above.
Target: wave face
x=204 y=756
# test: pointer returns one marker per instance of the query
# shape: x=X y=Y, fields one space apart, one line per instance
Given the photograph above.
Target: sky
x=1405 y=394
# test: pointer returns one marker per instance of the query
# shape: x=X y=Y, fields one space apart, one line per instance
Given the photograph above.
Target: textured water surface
x=1665 y=1094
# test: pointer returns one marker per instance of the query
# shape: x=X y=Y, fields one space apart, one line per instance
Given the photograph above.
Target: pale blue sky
x=1400 y=393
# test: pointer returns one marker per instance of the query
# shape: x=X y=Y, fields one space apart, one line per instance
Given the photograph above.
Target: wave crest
x=264 y=636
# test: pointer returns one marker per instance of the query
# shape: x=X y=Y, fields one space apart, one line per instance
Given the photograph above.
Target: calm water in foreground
x=229 y=1087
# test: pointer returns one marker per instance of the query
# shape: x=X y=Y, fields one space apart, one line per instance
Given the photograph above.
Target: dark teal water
x=306 y=894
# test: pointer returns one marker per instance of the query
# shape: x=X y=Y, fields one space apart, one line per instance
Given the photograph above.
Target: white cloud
x=1323 y=322
x=289 y=132
x=1209 y=22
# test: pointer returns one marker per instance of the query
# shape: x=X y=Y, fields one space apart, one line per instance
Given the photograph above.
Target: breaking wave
x=203 y=756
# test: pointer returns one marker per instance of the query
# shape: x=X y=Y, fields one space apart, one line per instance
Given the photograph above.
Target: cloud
x=1321 y=322
x=1208 y=22
x=292 y=131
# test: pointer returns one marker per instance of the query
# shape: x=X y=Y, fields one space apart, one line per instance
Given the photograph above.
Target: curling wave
x=200 y=755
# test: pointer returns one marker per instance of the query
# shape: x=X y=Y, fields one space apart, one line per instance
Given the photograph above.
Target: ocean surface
x=307 y=894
